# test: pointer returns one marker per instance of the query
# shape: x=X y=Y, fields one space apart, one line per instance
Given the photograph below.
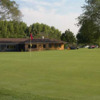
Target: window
x=60 y=45
x=50 y=45
x=34 y=46
x=44 y=46
x=55 y=45
x=11 y=47
x=29 y=46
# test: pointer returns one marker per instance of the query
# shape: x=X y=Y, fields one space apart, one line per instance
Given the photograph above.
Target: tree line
x=15 y=29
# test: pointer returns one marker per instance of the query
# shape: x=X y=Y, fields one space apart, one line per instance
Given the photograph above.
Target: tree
x=87 y=33
x=12 y=29
x=90 y=22
x=91 y=12
x=68 y=36
x=40 y=30
x=9 y=10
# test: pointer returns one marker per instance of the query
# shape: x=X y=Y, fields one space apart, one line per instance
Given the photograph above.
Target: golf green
x=50 y=75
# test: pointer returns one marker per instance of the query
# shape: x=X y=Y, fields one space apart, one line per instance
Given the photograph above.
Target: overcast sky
x=61 y=14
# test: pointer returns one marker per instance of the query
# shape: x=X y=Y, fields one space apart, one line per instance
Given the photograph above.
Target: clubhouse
x=24 y=44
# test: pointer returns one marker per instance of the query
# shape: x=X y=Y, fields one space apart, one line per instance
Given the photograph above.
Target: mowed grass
x=50 y=75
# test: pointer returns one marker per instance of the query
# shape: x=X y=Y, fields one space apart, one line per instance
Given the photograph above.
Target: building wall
x=57 y=47
x=8 y=47
x=44 y=46
x=39 y=47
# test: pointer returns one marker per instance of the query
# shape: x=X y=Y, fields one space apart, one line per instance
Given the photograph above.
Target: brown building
x=24 y=44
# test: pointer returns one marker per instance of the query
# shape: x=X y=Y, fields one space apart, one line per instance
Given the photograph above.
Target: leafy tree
x=88 y=33
x=68 y=36
x=9 y=10
x=40 y=30
x=12 y=29
x=89 y=22
x=91 y=12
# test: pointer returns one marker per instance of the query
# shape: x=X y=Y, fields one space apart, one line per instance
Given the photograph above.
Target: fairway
x=50 y=75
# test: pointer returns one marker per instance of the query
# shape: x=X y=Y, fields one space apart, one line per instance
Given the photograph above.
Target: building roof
x=45 y=41
x=13 y=40
x=26 y=40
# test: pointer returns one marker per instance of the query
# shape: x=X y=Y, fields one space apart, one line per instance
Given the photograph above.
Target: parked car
x=73 y=47
x=87 y=46
x=92 y=46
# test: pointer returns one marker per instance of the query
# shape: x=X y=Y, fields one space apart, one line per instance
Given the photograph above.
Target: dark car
x=73 y=47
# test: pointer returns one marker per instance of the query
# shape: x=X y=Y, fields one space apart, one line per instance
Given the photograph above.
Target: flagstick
x=30 y=43
x=30 y=47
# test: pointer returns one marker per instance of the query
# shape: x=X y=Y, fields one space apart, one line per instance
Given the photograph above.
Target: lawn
x=50 y=75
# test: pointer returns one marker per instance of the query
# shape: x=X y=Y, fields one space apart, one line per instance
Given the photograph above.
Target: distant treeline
x=15 y=29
